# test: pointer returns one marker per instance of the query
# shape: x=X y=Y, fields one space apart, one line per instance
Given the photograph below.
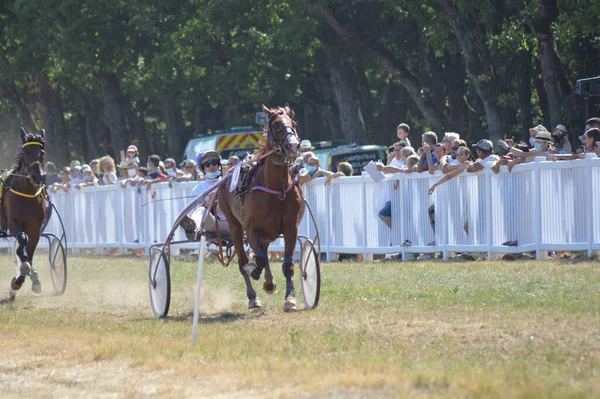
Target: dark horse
x=272 y=205
x=23 y=205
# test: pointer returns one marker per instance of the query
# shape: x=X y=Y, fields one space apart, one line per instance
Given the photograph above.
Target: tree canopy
x=98 y=75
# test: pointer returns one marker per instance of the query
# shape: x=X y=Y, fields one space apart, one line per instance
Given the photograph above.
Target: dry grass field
x=497 y=329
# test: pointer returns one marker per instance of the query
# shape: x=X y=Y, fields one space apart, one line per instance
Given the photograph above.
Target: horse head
x=32 y=156
x=281 y=132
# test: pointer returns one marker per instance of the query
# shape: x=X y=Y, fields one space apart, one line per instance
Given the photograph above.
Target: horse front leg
x=269 y=284
x=237 y=237
x=25 y=269
x=288 y=270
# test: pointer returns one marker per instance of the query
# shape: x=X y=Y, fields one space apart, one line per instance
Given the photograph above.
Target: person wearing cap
x=51 y=175
x=485 y=156
x=88 y=177
x=306 y=145
x=542 y=148
x=76 y=171
x=132 y=154
x=561 y=140
x=210 y=166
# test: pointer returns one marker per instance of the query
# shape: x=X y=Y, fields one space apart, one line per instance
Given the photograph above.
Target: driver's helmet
x=206 y=156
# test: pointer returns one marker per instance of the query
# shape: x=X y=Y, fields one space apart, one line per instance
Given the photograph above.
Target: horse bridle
x=27 y=168
x=289 y=130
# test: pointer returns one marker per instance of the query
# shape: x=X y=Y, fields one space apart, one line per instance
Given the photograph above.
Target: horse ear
x=289 y=111
x=23 y=134
x=267 y=111
x=43 y=133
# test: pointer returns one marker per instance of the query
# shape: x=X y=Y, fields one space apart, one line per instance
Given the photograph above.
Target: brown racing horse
x=272 y=205
x=23 y=205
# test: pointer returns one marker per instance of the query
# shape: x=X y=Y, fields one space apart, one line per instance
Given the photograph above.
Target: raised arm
x=449 y=176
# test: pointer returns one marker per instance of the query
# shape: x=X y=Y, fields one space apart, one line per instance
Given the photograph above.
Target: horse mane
x=29 y=137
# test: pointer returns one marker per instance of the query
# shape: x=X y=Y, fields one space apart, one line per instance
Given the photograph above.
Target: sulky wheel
x=310 y=275
x=58 y=266
x=160 y=283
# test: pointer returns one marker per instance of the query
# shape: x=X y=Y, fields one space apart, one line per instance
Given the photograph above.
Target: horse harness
x=7 y=180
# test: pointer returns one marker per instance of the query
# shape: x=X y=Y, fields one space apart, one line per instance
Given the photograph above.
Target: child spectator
x=132 y=154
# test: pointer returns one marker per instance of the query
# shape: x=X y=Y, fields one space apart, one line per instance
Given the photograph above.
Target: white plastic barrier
x=541 y=206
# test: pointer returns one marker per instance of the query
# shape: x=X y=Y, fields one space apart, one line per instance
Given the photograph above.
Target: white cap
x=561 y=127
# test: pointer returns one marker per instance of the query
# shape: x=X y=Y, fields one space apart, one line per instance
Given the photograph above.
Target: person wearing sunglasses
x=132 y=154
x=210 y=166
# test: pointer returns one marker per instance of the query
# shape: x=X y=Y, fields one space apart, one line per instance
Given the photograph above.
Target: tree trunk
x=343 y=85
x=114 y=113
x=388 y=65
x=472 y=40
x=53 y=122
x=525 y=108
x=93 y=124
x=171 y=113
x=135 y=119
x=458 y=111
x=561 y=100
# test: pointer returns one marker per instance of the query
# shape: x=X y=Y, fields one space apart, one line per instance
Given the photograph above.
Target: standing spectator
x=154 y=171
x=402 y=132
x=51 y=175
x=95 y=164
x=396 y=164
x=313 y=165
x=485 y=156
x=107 y=165
x=65 y=177
x=561 y=140
x=591 y=144
x=131 y=174
x=77 y=176
x=343 y=169
x=171 y=169
x=123 y=166
x=233 y=160
x=448 y=140
x=429 y=140
x=305 y=146
x=132 y=154
x=190 y=172
x=88 y=177
x=533 y=132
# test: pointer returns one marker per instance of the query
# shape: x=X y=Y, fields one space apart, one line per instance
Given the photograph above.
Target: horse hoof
x=254 y=304
x=25 y=269
x=249 y=268
x=36 y=287
x=12 y=295
x=17 y=282
x=269 y=287
x=290 y=305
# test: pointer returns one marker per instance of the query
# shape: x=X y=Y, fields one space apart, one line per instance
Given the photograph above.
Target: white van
x=235 y=141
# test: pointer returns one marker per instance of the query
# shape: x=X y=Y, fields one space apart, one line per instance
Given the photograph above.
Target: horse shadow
x=215 y=318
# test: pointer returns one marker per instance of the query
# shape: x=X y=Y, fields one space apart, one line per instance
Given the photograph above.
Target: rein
x=281 y=193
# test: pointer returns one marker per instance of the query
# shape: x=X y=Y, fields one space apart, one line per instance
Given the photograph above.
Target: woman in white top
x=107 y=164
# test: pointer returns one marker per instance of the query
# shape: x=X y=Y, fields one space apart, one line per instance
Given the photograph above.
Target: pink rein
x=281 y=194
